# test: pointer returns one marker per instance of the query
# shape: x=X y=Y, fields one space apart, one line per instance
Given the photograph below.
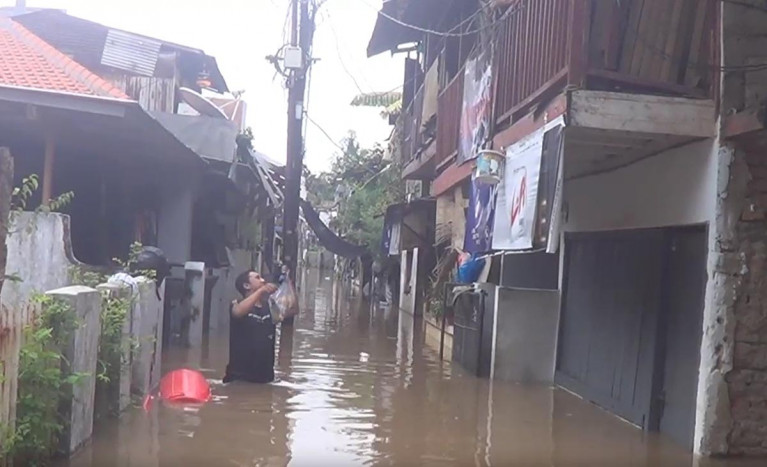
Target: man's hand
x=269 y=289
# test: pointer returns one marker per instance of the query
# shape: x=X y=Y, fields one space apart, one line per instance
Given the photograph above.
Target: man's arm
x=258 y=297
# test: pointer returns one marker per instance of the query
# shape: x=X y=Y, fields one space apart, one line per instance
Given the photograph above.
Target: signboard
x=517 y=205
x=551 y=193
x=475 y=114
x=479 y=221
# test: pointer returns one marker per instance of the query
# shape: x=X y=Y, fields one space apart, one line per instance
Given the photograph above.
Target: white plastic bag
x=283 y=303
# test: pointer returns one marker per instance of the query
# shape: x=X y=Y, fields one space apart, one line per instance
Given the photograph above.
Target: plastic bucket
x=184 y=386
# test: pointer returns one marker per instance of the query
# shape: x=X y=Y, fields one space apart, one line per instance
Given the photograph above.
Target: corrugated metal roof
x=126 y=51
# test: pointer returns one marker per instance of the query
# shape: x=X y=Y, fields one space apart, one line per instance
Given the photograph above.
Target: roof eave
x=108 y=106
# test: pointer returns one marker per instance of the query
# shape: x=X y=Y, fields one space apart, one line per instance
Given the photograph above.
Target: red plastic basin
x=184 y=386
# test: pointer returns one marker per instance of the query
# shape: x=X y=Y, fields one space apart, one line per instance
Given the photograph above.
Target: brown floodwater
x=358 y=387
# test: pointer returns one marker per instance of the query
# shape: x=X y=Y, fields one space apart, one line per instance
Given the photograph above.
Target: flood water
x=359 y=388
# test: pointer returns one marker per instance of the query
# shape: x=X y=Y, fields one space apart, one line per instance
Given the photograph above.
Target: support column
x=48 y=169
x=195 y=283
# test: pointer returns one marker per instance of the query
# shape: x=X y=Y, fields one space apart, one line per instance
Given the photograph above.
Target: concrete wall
x=147 y=323
x=224 y=292
x=451 y=210
x=40 y=255
x=731 y=410
x=82 y=355
x=195 y=280
x=525 y=335
x=677 y=187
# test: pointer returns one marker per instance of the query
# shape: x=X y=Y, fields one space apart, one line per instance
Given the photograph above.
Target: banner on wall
x=479 y=221
x=517 y=205
x=475 y=113
x=550 y=222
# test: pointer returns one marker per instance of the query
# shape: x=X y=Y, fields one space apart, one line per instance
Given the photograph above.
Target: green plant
x=44 y=381
x=436 y=307
x=113 y=352
x=114 y=312
x=29 y=185
x=81 y=276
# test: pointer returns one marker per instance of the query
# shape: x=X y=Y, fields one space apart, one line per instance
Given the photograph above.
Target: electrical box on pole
x=293 y=58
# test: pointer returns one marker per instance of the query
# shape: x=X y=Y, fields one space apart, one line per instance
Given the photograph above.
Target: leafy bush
x=44 y=382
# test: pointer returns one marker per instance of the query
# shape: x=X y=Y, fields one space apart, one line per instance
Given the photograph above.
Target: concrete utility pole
x=301 y=36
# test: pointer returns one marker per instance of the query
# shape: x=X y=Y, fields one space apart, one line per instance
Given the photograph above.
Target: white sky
x=240 y=33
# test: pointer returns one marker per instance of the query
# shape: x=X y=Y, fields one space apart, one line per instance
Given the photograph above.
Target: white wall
x=677 y=187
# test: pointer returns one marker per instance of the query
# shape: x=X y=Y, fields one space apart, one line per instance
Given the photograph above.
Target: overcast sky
x=240 y=33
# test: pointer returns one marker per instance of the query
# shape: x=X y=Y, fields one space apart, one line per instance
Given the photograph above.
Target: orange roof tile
x=27 y=61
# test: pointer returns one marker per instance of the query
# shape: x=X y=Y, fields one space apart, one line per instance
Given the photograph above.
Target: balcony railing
x=449 y=119
x=532 y=52
x=649 y=46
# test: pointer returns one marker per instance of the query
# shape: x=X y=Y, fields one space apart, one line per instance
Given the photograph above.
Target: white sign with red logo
x=515 y=209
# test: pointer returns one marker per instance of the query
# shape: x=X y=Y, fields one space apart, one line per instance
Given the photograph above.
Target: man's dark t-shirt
x=251 y=347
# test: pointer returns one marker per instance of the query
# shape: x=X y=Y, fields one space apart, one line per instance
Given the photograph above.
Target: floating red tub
x=182 y=386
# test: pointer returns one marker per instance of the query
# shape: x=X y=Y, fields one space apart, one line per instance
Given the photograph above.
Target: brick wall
x=747 y=380
x=741 y=243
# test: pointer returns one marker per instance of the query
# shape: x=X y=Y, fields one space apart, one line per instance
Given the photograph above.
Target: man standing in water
x=251 y=331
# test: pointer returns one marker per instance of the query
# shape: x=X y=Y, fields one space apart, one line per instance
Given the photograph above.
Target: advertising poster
x=475 y=114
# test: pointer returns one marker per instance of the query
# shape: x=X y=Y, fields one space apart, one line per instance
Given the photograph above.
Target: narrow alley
x=359 y=388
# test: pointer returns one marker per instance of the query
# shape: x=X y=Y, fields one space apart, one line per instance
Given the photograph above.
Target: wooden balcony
x=449 y=120
x=660 y=47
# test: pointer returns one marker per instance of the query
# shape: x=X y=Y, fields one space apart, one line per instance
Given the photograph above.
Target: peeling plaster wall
x=732 y=406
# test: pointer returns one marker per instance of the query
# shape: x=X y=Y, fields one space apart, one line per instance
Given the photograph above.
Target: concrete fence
x=40 y=257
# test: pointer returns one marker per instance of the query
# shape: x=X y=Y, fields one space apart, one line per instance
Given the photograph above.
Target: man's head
x=248 y=282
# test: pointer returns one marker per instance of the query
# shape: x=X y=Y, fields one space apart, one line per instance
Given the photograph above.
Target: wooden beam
x=530 y=123
x=643 y=113
x=451 y=177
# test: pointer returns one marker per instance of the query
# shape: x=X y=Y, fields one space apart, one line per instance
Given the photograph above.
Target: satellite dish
x=199 y=103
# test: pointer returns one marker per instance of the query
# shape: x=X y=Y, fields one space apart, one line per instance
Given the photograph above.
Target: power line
x=338 y=52
x=512 y=10
x=322 y=130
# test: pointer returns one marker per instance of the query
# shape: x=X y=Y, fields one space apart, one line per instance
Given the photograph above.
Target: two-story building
x=625 y=239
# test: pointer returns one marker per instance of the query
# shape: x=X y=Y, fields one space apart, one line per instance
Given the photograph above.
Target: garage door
x=611 y=297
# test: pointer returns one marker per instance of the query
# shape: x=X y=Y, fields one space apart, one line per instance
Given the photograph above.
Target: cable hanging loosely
x=512 y=10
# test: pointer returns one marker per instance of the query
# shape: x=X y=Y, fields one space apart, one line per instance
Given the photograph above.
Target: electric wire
x=325 y=133
x=511 y=10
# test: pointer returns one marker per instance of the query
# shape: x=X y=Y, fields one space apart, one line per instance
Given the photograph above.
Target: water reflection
x=356 y=386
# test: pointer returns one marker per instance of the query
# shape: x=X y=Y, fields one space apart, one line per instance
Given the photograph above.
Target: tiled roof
x=27 y=61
